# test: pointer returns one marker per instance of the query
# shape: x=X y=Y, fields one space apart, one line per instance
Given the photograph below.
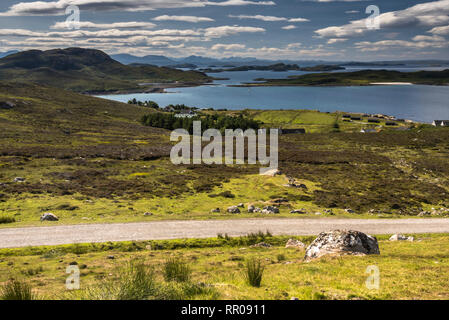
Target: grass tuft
x=254 y=272
x=16 y=290
x=176 y=270
x=7 y=220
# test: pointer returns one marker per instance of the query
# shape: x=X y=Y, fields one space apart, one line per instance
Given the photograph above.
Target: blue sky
x=278 y=29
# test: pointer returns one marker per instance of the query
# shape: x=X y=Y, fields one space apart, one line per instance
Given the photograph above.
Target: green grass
x=408 y=270
x=89 y=160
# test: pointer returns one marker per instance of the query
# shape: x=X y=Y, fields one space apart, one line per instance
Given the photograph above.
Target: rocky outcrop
x=341 y=242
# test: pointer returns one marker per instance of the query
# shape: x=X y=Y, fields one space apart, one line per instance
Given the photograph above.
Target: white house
x=441 y=123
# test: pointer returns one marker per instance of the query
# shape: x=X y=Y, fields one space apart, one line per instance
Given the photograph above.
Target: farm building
x=441 y=123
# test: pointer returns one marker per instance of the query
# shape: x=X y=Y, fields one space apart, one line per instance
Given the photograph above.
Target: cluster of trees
x=149 y=103
x=179 y=107
x=220 y=122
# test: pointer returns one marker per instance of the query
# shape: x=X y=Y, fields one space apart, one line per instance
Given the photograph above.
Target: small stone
x=294 y=298
x=241 y=205
x=148 y=214
x=216 y=210
x=270 y=209
x=401 y=237
x=349 y=211
x=251 y=209
x=271 y=172
x=48 y=216
x=300 y=211
x=292 y=243
x=19 y=179
x=233 y=209
x=261 y=245
x=110 y=257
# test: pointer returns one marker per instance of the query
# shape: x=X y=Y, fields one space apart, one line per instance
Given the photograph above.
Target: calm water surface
x=419 y=103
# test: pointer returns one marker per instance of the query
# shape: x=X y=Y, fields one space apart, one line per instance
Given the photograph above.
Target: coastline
x=148 y=88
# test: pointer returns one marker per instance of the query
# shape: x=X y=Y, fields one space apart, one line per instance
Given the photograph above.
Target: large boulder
x=48 y=216
x=341 y=242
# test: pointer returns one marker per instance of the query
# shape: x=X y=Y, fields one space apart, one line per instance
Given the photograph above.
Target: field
x=90 y=160
x=408 y=270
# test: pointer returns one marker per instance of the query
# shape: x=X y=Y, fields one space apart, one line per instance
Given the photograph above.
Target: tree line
x=220 y=122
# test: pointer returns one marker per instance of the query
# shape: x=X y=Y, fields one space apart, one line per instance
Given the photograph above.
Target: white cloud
x=336 y=40
x=289 y=27
x=58 y=7
x=192 y=19
x=428 y=38
x=444 y=30
x=425 y=14
x=227 y=47
x=267 y=18
x=222 y=31
x=366 y=46
x=298 y=20
x=115 y=25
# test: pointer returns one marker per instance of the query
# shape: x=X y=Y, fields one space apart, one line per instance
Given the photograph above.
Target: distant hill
x=87 y=70
x=7 y=53
x=150 y=59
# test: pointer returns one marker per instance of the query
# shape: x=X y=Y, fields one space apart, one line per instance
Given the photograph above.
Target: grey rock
x=270 y=209
x=233 y=209
x=401 y=237
x=292 y=243
x=300 y=211
x=261 y=245
x=251 y=209
x=48 y=216
x=19 y=179
x=342 y=242
x=216 y=210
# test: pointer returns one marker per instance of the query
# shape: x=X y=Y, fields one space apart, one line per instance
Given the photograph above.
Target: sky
x=267 y=29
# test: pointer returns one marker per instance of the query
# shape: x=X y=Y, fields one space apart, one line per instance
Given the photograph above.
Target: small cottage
x=441 y=123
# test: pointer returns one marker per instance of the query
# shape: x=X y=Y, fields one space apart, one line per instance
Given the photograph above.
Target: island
x=322 y=67
x=358 y=78
x=278 y=67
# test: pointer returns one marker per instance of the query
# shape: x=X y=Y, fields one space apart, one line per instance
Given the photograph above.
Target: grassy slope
x=88 y=70
x=89 y=160
x=358 y=78
x=408 y=270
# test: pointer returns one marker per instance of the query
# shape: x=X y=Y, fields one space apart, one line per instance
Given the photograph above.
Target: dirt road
x=56 y=235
